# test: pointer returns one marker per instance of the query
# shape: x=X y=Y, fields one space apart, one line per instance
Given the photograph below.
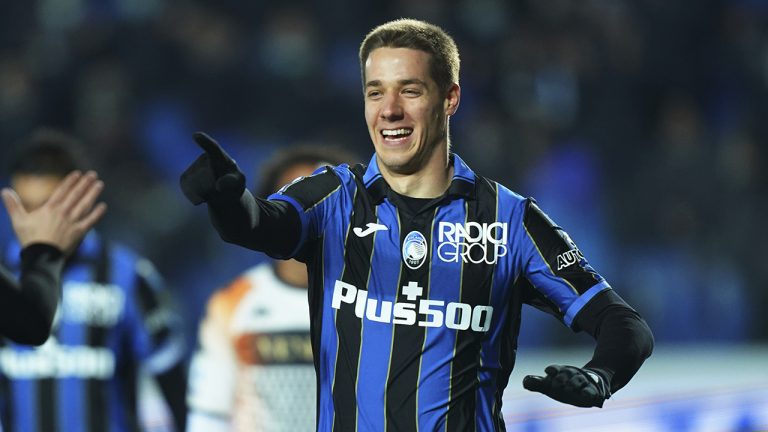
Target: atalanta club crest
x=414 y=250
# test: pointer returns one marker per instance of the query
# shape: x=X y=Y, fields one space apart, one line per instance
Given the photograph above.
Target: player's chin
x=400 y=165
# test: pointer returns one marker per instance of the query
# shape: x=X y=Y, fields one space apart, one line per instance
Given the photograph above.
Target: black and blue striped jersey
x=113 y=319
x=415 y=314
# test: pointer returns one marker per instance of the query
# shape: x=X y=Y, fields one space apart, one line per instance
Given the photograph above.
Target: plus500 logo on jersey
x=436 y=313
x=472 y=242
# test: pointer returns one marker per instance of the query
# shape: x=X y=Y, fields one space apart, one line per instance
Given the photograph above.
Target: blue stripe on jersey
x=375 y=354
x=24 y=402
x=490 y=354
x=71 y=398
x=503 y=278
x=336 y=231
x=576 y=306
x=436 y=361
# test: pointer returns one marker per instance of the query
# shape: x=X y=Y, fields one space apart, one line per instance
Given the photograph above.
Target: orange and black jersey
x=415 y=311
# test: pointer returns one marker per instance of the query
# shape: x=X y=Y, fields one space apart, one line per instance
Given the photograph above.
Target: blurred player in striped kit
x=46 y=234
x=113 y=321
x=254 y=370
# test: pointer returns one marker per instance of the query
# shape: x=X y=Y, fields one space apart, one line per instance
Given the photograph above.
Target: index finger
x=210 y=146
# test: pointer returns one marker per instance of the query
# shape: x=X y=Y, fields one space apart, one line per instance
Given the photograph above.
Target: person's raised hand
x=571 y=385
x=64 y=218
x=213 y=176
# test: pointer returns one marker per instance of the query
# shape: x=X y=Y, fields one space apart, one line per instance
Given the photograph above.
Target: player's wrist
x=601 y=378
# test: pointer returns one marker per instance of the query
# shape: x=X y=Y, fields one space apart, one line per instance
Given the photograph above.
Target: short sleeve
x=561 y=279
x=315 y=198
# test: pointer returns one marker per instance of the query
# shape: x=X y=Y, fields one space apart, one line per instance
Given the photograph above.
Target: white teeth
x=393 y=132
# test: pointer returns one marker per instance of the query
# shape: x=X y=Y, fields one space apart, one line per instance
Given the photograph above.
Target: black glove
x=571 y=385
x=214 y=176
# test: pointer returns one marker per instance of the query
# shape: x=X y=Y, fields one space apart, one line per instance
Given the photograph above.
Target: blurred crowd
x=639 y=126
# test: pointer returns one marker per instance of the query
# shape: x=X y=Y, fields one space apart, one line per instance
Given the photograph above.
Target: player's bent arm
x=270 y=226
x=624 y=340
x=29 y=305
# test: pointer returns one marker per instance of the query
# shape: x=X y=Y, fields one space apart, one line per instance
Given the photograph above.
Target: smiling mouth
x=396 y=134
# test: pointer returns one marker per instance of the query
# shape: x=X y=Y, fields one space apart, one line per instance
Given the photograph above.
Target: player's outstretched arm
x=624 y=341
x=64 y=219
x=214 y=178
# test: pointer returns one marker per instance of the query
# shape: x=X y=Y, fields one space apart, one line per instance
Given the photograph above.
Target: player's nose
x=391 y=108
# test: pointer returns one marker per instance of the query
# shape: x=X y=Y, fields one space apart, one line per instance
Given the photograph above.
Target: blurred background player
x=27 y=306
x=113 y=322
x=254 y=368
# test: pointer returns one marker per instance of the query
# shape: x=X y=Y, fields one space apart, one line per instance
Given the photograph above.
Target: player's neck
x=431 y=181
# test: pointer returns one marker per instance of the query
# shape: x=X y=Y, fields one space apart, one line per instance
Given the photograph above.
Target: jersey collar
x=462 y=183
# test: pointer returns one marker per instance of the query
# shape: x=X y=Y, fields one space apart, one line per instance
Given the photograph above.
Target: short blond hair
x=419 y=35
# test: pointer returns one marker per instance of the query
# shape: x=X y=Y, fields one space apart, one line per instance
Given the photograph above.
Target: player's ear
x=452 y=99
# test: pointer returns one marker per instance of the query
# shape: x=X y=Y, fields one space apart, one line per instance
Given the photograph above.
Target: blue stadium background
x=639 y=126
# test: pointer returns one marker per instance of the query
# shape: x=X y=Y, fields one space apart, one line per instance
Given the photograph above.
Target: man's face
x=34 y=190
x=405 y=111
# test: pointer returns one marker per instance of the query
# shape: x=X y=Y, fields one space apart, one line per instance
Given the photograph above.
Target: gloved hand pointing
x=571 y=385
x=214 y=176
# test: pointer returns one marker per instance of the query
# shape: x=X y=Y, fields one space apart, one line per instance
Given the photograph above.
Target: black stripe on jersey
x=553 y=243
x=401 y=398
x=96 y=396
x=129 y=377
x=46 y=401
x=476 y=285
x=306 y=193
x=357 y=268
